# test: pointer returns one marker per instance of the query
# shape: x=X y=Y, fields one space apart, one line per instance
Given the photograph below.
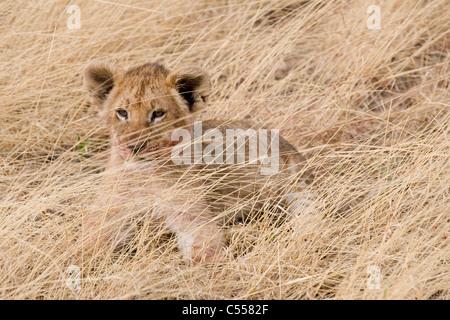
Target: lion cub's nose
x=137 y=147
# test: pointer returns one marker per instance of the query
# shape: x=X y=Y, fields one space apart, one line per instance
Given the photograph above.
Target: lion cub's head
x=144 y=105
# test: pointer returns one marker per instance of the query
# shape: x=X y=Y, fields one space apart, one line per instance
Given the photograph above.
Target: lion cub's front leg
x=184 y=212
x=200 y=237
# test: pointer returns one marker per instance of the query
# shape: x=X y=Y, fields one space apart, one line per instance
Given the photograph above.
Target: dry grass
x=370 y=109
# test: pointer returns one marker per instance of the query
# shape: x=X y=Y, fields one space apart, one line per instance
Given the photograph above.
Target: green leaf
x=83 y=146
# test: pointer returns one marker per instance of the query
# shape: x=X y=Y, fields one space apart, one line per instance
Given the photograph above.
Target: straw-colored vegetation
x=369 y=108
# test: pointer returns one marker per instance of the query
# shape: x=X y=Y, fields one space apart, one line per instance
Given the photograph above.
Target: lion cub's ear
x=193 y=84
x=99 y=79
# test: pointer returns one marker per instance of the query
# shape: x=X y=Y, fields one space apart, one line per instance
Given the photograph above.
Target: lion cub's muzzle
x=137 y=147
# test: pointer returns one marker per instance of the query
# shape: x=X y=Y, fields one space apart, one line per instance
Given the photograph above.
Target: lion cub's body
x=142 y=108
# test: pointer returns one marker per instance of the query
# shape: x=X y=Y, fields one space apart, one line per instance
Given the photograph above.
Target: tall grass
x=368 y=108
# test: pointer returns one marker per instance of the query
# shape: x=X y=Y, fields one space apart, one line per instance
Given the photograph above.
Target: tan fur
x=139 y=166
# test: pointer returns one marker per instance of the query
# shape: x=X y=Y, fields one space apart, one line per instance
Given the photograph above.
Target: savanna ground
x=368 y=107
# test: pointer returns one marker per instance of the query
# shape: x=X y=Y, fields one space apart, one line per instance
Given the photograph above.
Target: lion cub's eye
x=122 y=114
x=158 y=114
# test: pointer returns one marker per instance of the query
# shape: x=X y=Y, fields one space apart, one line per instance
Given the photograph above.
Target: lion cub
x=149 y=112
